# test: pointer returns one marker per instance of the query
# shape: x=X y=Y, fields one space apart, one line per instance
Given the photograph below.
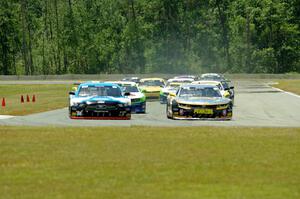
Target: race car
x=186 y=77
x=151 y=87
x=181 y=80
x=131 y=79
x=98 y=100
x=225 y=90
x=196 y=101
x=171 y=88
x=138 y=99
x=212 y=76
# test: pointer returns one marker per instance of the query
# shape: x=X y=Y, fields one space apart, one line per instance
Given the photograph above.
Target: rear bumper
x=99 y=118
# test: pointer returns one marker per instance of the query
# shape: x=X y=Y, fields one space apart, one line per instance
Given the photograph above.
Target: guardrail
x=120 y=76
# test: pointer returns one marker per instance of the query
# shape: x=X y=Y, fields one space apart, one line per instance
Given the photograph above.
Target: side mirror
x=126 y=94
x=226 y=89
x=227 y=94
x=71 y=93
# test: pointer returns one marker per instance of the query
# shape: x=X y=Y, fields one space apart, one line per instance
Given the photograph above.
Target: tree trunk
x=225 y=39
x=248 y=53
x=24 y=42
x=31 y=65
x=58 y=70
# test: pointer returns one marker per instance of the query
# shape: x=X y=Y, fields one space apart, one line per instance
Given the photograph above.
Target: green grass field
x=289 y=85
x=48 y=97
x=145 y=162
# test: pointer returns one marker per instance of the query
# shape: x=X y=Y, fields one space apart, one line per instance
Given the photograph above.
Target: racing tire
x=168 y=110
x=70 y=113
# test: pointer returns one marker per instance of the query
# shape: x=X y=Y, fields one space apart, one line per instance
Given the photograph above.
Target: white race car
x=138 y=99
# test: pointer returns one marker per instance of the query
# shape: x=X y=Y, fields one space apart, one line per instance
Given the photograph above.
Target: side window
x=220 y=87
x=177 y=92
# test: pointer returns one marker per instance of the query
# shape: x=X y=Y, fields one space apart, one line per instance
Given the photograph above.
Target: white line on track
x=2 y=117
x=289 y=93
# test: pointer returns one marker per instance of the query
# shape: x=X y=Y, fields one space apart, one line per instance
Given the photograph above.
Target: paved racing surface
x=256 y=104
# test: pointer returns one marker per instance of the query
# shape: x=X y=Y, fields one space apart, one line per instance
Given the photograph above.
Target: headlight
x=143 y=98
x=74 y=103
x=125 y=104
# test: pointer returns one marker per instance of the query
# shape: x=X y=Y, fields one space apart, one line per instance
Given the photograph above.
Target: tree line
x=149 y=36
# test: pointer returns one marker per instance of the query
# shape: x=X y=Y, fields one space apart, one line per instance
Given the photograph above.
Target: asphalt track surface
x=256 y=105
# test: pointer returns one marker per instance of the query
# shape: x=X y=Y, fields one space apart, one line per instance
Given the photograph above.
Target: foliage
x=149 y=36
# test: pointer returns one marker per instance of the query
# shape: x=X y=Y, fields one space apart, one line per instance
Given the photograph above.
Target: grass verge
x=289 y=85
x=48 y=97
x=145 y=162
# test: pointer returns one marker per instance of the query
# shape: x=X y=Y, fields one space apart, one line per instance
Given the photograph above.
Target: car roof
x=198 y=86
x=180 y=79
x=185 y=76
x=211 y=74
x=96 y=83
x=123 y=83
x=207 y=82
x=154 y=78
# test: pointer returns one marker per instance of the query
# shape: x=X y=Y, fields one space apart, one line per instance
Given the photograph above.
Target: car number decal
x=203 y=111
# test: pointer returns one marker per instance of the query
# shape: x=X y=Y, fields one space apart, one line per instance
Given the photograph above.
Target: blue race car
x=98 y=100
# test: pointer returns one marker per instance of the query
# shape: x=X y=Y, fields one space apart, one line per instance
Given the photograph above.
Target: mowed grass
x=148 y=162
x=48 y=97
x=289 y=85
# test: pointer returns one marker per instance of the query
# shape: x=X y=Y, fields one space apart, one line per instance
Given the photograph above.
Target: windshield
x=152 y=83
x=113 y=91
x=129 y=89
x=170 y=85
x=199 y=92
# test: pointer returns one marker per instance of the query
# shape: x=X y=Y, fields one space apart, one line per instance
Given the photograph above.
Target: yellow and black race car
x=151 y=87
x=198 y=101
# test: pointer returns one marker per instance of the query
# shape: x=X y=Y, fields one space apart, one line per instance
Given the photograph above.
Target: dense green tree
x=146 y=36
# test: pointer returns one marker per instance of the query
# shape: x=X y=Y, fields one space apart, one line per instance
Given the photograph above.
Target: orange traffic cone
x=22 y=99
x=3 y=102
x=33 y=98
x=27 y=99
